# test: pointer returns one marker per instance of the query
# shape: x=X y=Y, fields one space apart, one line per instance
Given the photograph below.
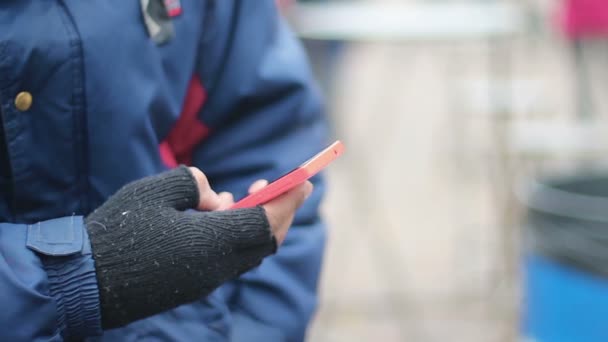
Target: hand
x=209 y=199
x=152 y=253
x=281 y=210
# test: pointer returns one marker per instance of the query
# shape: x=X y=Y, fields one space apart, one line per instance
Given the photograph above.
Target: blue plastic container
x=566 y=267
x=563 y=304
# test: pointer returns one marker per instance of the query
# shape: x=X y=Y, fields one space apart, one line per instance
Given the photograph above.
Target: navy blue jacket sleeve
x=266 y=117
x=48 y=286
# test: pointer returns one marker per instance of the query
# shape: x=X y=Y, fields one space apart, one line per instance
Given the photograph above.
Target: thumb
x=280 y=211
x=291 y=200
x=208 y=200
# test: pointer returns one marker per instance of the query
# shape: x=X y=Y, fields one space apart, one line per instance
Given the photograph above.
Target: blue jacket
x=230 y=92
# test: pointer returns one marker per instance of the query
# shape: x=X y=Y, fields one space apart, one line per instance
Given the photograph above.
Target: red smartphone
x=294 y=178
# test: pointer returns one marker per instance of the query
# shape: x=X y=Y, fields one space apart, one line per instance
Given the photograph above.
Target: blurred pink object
x=585 y=18
x=284 y=4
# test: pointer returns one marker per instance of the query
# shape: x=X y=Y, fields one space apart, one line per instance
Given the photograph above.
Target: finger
x=226 y=200
x=294 y=198
x=258 y=185
x=208 y=199
x=281 y=211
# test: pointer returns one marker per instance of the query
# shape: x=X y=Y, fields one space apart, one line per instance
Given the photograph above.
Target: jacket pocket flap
x=56 y=237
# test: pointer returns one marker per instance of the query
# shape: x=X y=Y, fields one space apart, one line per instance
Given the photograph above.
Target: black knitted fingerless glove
x=152 y=256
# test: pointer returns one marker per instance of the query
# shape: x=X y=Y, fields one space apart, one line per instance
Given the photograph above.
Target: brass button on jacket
x=23 y=101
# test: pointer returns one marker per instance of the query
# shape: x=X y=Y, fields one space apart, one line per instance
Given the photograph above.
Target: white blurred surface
x=417 y=233
x=369 y=20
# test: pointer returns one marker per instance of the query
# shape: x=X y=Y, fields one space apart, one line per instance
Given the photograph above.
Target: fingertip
x=305 y=189
x=226 y=199
x=198 y=175
x=210 y=201
x=301 y=193
x=226 y=196
x=257 y=185
x=309 y=188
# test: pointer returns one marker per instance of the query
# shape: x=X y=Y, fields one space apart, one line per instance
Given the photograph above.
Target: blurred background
x=471 y=203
